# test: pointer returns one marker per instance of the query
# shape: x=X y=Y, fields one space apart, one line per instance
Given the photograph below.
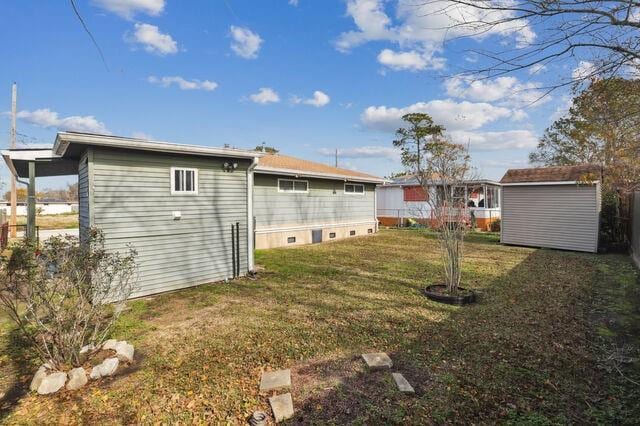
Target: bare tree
x=65 y=295
x=604 y=34
x=442 y=169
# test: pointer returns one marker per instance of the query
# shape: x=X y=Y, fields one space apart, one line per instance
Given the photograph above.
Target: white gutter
x=64 y=139
x=250 y=231
x=562 y=182
x=320 y=175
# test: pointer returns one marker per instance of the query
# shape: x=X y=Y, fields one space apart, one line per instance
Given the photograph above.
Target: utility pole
x=336 y=157
x=14 y=197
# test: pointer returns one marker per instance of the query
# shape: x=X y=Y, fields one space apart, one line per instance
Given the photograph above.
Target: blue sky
x=306 y=77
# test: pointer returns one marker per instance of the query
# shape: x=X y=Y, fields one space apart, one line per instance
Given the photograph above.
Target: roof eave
x=64 y=139
x=319 y=175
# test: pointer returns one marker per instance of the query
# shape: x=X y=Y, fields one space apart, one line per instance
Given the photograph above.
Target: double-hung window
x=354 y=188
x=293 y=185
x=184 y=181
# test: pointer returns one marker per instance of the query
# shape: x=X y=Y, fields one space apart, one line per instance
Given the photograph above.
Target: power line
x=84 y=25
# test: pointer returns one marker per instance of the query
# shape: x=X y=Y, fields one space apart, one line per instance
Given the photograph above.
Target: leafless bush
x=65 y=295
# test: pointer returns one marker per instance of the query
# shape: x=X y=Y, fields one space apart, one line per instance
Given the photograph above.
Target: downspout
x=250 y=230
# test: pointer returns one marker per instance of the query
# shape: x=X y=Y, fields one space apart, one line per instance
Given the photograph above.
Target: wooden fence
x=635 y=228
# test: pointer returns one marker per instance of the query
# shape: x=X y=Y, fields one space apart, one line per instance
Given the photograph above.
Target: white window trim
x=354 y=193
x=294 y=191
x=173 y=181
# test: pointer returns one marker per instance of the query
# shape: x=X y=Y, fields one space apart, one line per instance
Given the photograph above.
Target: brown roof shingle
x=552 y=174
x=284 y=162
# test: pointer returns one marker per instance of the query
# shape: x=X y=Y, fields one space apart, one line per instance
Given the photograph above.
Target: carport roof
x=48 y=164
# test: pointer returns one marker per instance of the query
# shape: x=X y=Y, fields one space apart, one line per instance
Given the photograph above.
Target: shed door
x=316 y=236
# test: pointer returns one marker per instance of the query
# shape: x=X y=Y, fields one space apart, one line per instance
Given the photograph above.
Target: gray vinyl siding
x=317 y=207
x=554 y=216
x=132 y=203
x=635 y=229
x=83 y=196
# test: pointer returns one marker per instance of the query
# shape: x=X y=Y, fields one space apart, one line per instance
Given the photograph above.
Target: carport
x=30 y=164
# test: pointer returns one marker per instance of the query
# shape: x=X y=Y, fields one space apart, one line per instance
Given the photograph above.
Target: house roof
x=411 y=180
x=284 y=164
x=66 y=141
x=552 y=174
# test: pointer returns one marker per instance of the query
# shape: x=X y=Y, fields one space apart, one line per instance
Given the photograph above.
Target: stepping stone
x=377 y=361
x=402 y=383
x=272 y=380
x=282 y=407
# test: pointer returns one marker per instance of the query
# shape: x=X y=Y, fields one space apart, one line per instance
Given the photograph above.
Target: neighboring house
x=404 y=198
x=555 y=207
x=43 y=207
x=300 y=202
x=189 y=210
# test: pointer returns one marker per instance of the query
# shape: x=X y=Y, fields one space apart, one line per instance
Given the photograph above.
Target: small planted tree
x=442 y=168
x=65 y=295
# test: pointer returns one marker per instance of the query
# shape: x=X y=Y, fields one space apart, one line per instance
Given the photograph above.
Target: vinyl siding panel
x=84 y=220
x=554 y=216
x=132 y=203
x=319 y=206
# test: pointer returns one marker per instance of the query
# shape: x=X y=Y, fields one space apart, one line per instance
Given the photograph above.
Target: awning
x=47 y=163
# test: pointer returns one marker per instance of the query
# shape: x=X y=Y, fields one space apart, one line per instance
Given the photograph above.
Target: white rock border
x=47 y=381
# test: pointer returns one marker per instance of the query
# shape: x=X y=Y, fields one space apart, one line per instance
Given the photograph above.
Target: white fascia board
x=64 y=139
x=563 y=182
x=300 y=173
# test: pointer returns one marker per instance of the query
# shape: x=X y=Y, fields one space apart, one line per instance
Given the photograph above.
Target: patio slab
x=282 y=407
x=377 y=361
x=403 y=385
x=272 y=380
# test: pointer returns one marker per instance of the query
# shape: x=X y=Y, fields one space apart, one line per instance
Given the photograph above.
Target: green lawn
x=552 y=340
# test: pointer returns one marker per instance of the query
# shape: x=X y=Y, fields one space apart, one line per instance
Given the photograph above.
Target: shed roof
x=552 y=174
x=284 y=164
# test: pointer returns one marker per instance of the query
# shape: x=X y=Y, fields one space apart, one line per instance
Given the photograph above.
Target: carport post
x=31 y=202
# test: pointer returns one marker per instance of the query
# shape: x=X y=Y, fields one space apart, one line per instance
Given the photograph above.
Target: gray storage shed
x=554 y=207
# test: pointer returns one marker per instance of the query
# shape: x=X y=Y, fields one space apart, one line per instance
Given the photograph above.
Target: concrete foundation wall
x=266 y=239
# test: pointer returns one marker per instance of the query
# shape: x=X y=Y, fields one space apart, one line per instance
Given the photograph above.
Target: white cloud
x=246 y=43
x=372 y=151
x=293 y=3
x=510 y=139
x=410 y=60
x=318 y=100
x=453 y=115
x=153 y=40
x=537 y=68
x=141 y=135
x=44 y=117
x=265 y=95
x=425 y=26
x=507 y=91
x=127 y=9
x=585 y=69
x=183 y=84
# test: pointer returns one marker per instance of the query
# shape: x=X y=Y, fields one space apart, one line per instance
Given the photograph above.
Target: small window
x=332 y=234
x=184 y=181
x=414 y=193
x=370 y=231
x=354 y=188
x=352 y=232
x=291 y=240
x=291 y=185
